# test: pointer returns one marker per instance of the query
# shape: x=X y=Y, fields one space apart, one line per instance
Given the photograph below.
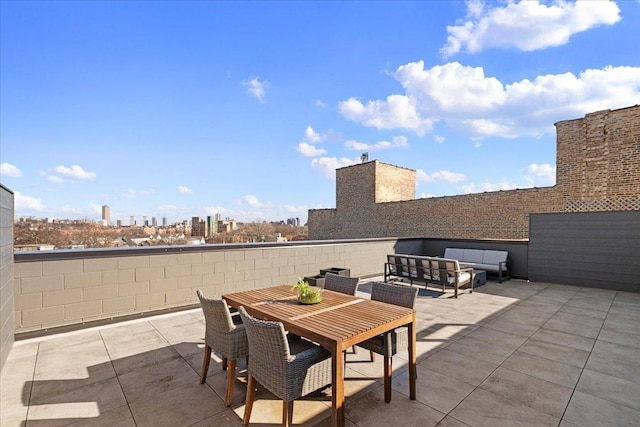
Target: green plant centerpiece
x=307 y=294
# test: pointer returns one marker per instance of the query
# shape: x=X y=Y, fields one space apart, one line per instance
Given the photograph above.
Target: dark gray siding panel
x=409 y=246
x=593 y=249
x=7 y=306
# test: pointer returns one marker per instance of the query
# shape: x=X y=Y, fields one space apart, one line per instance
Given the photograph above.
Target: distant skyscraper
x=218 y=217
x=154 y=221
x=132 y=220
x=106 y=215
x=164 y=221
x=145 y=221
x=212 y=226
x=119 y=223
x=198 y=227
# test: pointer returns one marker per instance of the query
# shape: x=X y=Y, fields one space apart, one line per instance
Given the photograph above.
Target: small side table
x=479 y=277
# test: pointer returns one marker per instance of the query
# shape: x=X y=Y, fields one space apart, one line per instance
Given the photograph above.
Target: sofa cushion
x=462 y=278
x=473 y=255
x=494 y=257
x=454 y=253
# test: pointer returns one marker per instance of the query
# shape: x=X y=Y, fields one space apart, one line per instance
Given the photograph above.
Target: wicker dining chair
x=226 y=335
x=343 y=284
x=389 y=343
x=288 y=370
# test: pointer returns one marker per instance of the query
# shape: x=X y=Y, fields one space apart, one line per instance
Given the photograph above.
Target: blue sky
x=181 y=109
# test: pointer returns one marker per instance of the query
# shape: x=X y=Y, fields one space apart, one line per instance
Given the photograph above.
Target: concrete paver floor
x=512 y=353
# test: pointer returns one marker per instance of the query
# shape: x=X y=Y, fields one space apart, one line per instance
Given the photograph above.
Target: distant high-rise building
x=164 y=221
x=106 y=215
x=218 y=217
x=119 y=223
x=198 y=227
x=293 y=221
x=212 y=226
x=154 y=221
x=145 y=221
x=132 y=220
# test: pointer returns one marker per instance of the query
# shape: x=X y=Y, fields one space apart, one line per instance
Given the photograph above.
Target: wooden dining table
x=337 y=323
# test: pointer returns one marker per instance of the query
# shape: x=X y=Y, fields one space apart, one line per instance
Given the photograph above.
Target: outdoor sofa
x=482 y=259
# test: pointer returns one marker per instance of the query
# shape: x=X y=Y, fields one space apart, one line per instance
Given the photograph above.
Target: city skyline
x=164 y=109
x=152 y=221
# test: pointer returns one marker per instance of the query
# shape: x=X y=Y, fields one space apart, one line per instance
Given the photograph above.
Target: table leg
x=412 y=359
x=337 y=388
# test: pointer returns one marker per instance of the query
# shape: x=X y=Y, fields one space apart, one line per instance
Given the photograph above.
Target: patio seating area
x=511 y=353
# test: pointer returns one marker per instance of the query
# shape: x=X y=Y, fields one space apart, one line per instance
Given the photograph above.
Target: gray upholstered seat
x=226 y=335
x=390 y=342
x=289 y=371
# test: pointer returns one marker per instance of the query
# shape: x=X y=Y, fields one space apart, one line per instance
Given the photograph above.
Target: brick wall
x=598 y=169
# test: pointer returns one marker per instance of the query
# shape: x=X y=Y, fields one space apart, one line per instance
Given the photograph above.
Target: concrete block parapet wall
x=64 y=288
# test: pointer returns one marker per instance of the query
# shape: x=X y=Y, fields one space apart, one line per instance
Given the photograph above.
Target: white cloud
x=355 y=145
x=290 y=208
x=8 y=169
x=399 y=141
x=27 y=203
x=309 y=150
x=526 y=25
x=55 y=179
x=483 y=106
x=487 y=187
x=396 y=141
x=427 y=195
x=396 y=112
x=74 y=172
x=439 y=139
x=320 y=104
x=439 y=176
x=312 y=136
x=184 y=190
x=540 y=175
x=63 y=174
x=256 y=88
x=212 y=210
x=253 y=201
x=328 y=165
x=130 y=193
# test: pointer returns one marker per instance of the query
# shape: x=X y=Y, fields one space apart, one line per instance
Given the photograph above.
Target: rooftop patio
x=514 y=353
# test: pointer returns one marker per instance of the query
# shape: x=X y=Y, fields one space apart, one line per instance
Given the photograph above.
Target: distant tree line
x=259 y=232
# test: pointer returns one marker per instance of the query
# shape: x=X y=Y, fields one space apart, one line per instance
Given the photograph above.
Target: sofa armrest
x=506 y=275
